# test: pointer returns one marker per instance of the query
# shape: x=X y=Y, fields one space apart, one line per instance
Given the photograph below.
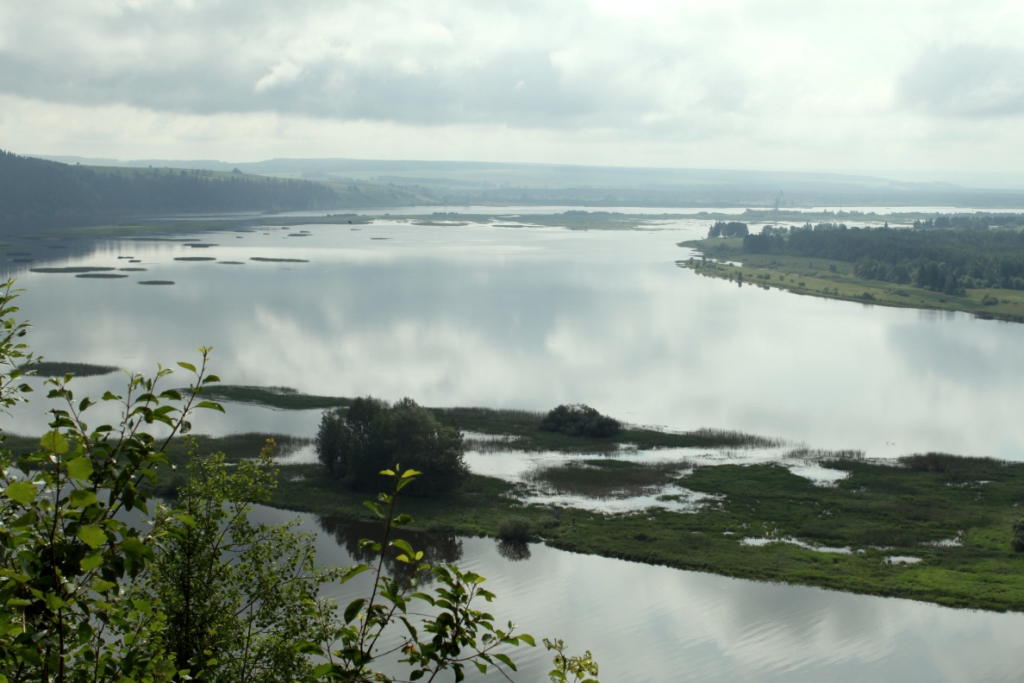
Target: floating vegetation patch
x=73 y=269
x=133 y=270
x=380 y=238
x=135 y=260
x=102 y=276
x=194 y=258
x=265 y=259
x=56 y=246
x=58 y=368
x=446 y=224
x=19 y=253
x=200 y=245
x=156 y=282
x=231 y=263
x=299 y=234
x=284 y=398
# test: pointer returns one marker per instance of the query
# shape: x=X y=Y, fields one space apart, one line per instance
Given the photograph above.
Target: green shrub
x=514 y=530
x=1018 y=536
x=580 y=420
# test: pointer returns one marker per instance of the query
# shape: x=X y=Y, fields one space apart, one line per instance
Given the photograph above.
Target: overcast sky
x=758 y=84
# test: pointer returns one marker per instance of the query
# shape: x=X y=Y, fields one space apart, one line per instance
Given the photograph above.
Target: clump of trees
x=580 y=420
x=195 y=592
x=356 y=443
x=728 y=229
x=950 y=261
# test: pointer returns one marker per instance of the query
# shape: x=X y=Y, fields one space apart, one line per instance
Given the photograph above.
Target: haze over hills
x=466 y=182
x=39 y=194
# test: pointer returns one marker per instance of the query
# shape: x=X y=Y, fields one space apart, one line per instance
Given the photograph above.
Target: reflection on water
x=656 y=624
x=437 y=547
x=530 y=318
x=512 y=551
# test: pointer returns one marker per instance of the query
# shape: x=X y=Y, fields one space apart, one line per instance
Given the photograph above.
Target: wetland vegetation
x=976 y=270
x=931 y=527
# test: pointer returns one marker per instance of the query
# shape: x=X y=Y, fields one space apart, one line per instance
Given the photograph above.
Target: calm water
x=529 y=318
x=657 y=624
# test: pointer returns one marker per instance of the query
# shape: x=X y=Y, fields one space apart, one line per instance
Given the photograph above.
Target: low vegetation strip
x=59 y=369
x=956 y=515
x=837 y=280
x=283 y=398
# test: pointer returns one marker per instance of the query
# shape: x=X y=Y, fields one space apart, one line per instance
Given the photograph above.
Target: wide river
x=530 y=317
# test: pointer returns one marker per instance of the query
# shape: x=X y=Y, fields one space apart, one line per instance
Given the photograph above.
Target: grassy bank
x=953 y=514
x=836 y=280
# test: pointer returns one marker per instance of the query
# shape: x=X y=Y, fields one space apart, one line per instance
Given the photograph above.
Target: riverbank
x=936 y=528
x=725 y=259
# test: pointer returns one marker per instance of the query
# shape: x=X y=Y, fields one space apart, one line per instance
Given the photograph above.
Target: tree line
x=40 y=194
x=947 y=260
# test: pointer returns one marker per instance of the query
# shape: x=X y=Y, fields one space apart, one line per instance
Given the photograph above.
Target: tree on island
x=580 y=420
x=355 y=444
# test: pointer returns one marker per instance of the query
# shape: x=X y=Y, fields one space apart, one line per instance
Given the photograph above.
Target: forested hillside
x=37 y=194
x=944 y=260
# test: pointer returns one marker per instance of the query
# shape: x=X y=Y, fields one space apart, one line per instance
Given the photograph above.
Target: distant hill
x=495 y=183
x=38 y=194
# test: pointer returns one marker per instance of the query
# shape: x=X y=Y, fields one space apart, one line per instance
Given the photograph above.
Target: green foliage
x=579 y=667
x=580 y=420
x=948 y=261
x=373 y=435
x=1018 y=536
x=67 y=555
x=58 y=368
x=197 y=592
x=514 y=530
x=728 y=229
x=236 y=596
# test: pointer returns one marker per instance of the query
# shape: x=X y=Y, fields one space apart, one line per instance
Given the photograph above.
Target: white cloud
x=755 y=83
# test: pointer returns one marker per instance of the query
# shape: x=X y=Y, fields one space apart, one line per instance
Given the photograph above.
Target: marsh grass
x=73 y=269
x=156 y=282
x=102 y=276
x=284 y=398
x=601 y=478
x=59 y=369
x=266 y=259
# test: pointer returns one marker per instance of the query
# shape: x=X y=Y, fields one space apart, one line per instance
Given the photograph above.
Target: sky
x=744 y=84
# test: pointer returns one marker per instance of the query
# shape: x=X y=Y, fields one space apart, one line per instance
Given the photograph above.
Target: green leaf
x=377 y=509
x=322 y=670
x=82 y=499
x=54 y=442
x=352 y=611
x=352 y=572
x=211 y=405
x=187 y=366
x=506 y=661
x=136 y=548
x=80 y=468
x=92 y=536
x=403 y=546
x=102 y=586
x=387 y=473
x=481 y=666
x=90 y=562
x=528 y=639
x=23 y=492
x=410 y=473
